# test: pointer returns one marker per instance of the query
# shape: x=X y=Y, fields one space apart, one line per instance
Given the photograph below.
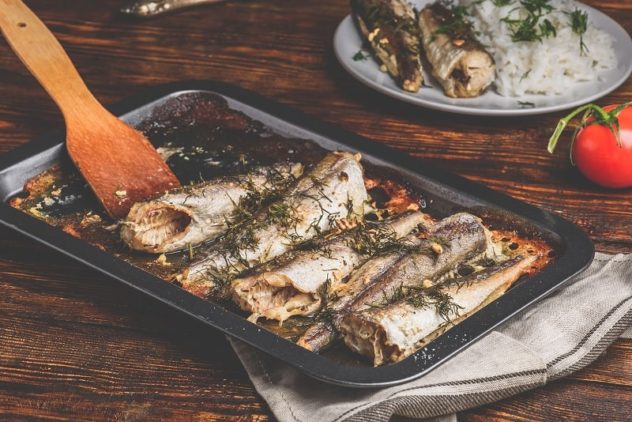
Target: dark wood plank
x=565 y=400
x=76 y=346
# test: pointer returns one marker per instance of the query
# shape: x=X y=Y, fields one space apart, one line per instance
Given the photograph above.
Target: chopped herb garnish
x=360 y=56
x=454 y=22
x=579 y=23
x=547 y=29
x=501 y=3
x=434 y=297
x=537 y=7
x=373 y=239
x=531 y=28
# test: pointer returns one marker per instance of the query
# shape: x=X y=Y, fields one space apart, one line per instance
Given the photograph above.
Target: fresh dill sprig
x=579 y=24
x=501 y=3
x=531 y=28
x=547 y=29
x=282 y=214
x=373 y=239
x=434 y=297
x=537 y=7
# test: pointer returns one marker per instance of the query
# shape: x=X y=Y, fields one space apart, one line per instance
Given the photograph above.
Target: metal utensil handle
x=148 y=8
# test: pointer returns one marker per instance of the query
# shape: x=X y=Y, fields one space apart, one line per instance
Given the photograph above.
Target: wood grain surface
x=76 y=346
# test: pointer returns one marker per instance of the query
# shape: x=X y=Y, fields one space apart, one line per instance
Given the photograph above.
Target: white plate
x=347 y=42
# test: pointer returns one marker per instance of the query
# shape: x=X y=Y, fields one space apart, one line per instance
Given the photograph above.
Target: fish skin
x=378 y=280
x=293 y=284
x=466 y=237
x=462 y=66
x=390 y=28
x=322 y=333
x=394 y=332
x=332 y=191
x=193 y=214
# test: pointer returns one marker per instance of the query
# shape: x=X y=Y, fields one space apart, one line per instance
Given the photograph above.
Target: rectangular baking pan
x=445 y=191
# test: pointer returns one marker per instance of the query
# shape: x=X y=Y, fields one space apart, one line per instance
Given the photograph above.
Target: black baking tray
x=445 y=191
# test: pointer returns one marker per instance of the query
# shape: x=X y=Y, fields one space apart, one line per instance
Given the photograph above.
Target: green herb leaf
x=359 y=56
x=579 y=23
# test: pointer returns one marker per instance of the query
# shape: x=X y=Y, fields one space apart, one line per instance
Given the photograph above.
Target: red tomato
x=597 y=152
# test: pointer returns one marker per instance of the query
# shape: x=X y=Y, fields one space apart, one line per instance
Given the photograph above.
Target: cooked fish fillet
x=378 y=281
x=455 y=239
x=197 y=213
x=293 y=286
x=459 y=62
x=322 y=333
x=332 y=192
x=390 y=28
x=394 y=332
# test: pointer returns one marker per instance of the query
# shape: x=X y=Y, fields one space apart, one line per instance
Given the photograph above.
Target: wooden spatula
x=119 y=163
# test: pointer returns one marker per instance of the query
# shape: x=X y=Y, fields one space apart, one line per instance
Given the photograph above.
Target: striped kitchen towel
x=559 y=335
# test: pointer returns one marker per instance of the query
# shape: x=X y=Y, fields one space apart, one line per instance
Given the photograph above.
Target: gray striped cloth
x=561 y=334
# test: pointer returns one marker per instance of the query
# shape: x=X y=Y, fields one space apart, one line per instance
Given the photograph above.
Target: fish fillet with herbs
x=293 y=286
x=331 y=195
x=390 y=28
x=188 y=216
x=324 y=332
x=459 y=62
x=453 y=240
x=395 y=331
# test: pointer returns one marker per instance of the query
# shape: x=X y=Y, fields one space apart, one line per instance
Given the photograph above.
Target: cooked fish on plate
x=459 y=62
x=390 y=28
x=489 y=57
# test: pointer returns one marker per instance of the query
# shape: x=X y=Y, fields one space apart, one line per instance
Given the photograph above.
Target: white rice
x=552 y=66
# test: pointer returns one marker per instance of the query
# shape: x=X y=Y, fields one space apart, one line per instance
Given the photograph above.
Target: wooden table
x=75 y=345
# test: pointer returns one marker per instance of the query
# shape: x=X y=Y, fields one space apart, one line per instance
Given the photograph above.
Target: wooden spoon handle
x=46 y=59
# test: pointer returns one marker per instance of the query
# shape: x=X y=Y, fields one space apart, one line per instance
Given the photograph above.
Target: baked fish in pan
x=193 y=214
x=329 y=196
x=295 y=285
x=455 y=239
x=393 y=332
x=345 y=239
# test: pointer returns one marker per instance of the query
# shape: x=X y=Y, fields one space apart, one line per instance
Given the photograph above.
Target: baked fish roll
x=380 y=280
x=330 y=195
x=193 y=214
x=390 y=28
x=392 y=333
x=455 y=239
x=459 y=62
x=322 y=333
x=294 y=283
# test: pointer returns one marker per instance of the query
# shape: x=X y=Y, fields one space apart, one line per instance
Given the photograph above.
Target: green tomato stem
x=609 y=119
x=563 y=123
